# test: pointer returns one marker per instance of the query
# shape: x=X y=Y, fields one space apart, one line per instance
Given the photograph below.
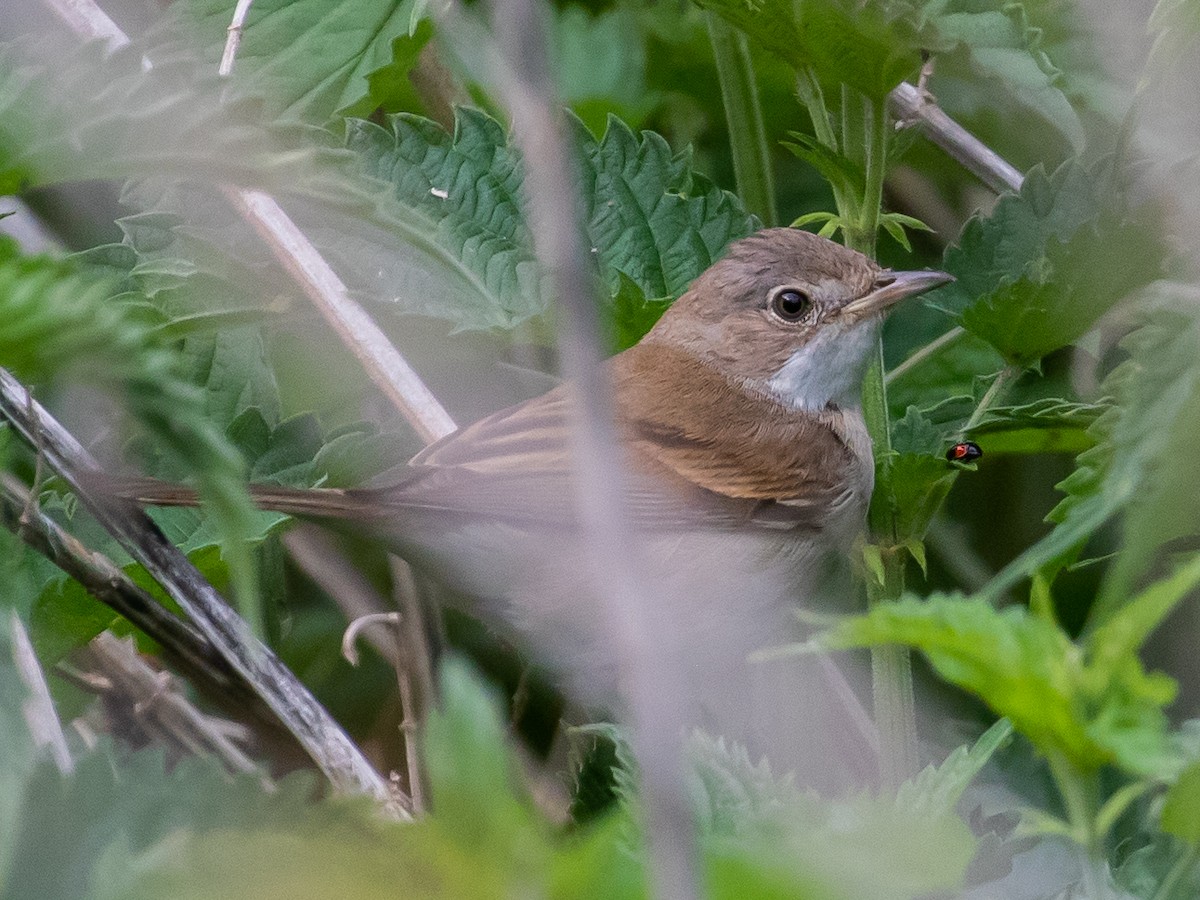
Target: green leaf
x=308 y=58
x=443 y=235
x=650 y=218
x=951 y=372
x=1093 y=708
x=919 y=476
x=1142 y=453
x=1181 y=807
x=64 y=323
x=390 y=88
x=1003 y=46
x=69 y=113
x=599 y=63
x=936 y=790
x=633 y=315
x=871 y=48
x=470 y=767
x=1051 y=424
x=1038 y=272
x=729 y=791
x=1123 y=633
x=1175 y=25
x=840 y=171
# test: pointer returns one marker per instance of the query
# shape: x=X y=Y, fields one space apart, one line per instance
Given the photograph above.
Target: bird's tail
x=308 y=503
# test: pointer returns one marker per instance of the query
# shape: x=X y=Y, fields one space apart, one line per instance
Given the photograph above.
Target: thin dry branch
x=149 y=703
x=234 y=36
x=387 y=368
x=911 y=105
x=382 y=362
x=86 y=18
x=182 y=644
x=394 y=635
x=316 y=731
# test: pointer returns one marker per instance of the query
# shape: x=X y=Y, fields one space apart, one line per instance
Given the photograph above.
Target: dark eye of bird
x=791 y=306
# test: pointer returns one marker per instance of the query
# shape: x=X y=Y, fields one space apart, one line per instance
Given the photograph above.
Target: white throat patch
x=828 y=369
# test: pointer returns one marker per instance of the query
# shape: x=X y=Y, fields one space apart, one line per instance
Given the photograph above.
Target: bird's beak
x=892 y=287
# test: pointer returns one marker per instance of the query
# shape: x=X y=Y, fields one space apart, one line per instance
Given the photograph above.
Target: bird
x=748 y=459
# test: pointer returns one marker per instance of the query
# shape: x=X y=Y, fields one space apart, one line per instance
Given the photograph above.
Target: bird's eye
x=791 y=305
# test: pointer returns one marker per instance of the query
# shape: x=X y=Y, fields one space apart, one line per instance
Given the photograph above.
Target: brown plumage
x=748 y=458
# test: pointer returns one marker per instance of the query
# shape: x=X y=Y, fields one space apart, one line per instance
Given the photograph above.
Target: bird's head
x=790 y=314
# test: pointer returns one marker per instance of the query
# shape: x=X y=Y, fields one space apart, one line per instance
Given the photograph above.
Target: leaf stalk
x=743 y=116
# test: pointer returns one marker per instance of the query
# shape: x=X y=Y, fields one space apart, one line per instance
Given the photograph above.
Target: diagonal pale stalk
x=743 y=116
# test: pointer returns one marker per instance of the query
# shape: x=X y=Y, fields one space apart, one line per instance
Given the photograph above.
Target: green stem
x=813 y=97
x=1003 y=379
x=1079 y=791
x=865 y=125
x=919 y=356
x=1181 y=867
x=875 y=128
x=743 y=114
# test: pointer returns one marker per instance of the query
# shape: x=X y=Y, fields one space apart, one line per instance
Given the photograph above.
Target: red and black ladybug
x=964 y=452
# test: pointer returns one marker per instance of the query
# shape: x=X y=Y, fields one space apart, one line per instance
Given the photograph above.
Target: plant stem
x=813 y=97
x=999 y=385
x=923 y=353
x=875 y=131
x=1078 y=791
x=1187 y=860
x=743 y=115
x=891 y=667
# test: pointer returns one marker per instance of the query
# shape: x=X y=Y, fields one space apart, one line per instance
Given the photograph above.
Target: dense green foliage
x=1068 y=348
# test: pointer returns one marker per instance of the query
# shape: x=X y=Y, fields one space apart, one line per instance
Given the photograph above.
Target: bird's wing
x=699 y=467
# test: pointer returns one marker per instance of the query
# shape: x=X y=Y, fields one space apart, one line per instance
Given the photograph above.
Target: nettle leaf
x=1090 y=705
x=1144 y=449
x=730 y=793
x=839 y=170
x=633 y=314
x=952 y=371
x=469 y=765
x=65 y=616
x=1181 y=807
x=872 y=48
x=1002 y=45
x=1049 y=425
x=937 y=789
x=650 y=218
x=599 y=63
x=308 y=58
x=464 y=257
x=1038 y=272
x=69 y=113
x=63 y=322
x=59 y=835
x=920 y=476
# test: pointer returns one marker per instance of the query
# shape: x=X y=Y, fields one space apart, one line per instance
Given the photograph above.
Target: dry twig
x=150 y=704
x=322 y=738
x=911 y=106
